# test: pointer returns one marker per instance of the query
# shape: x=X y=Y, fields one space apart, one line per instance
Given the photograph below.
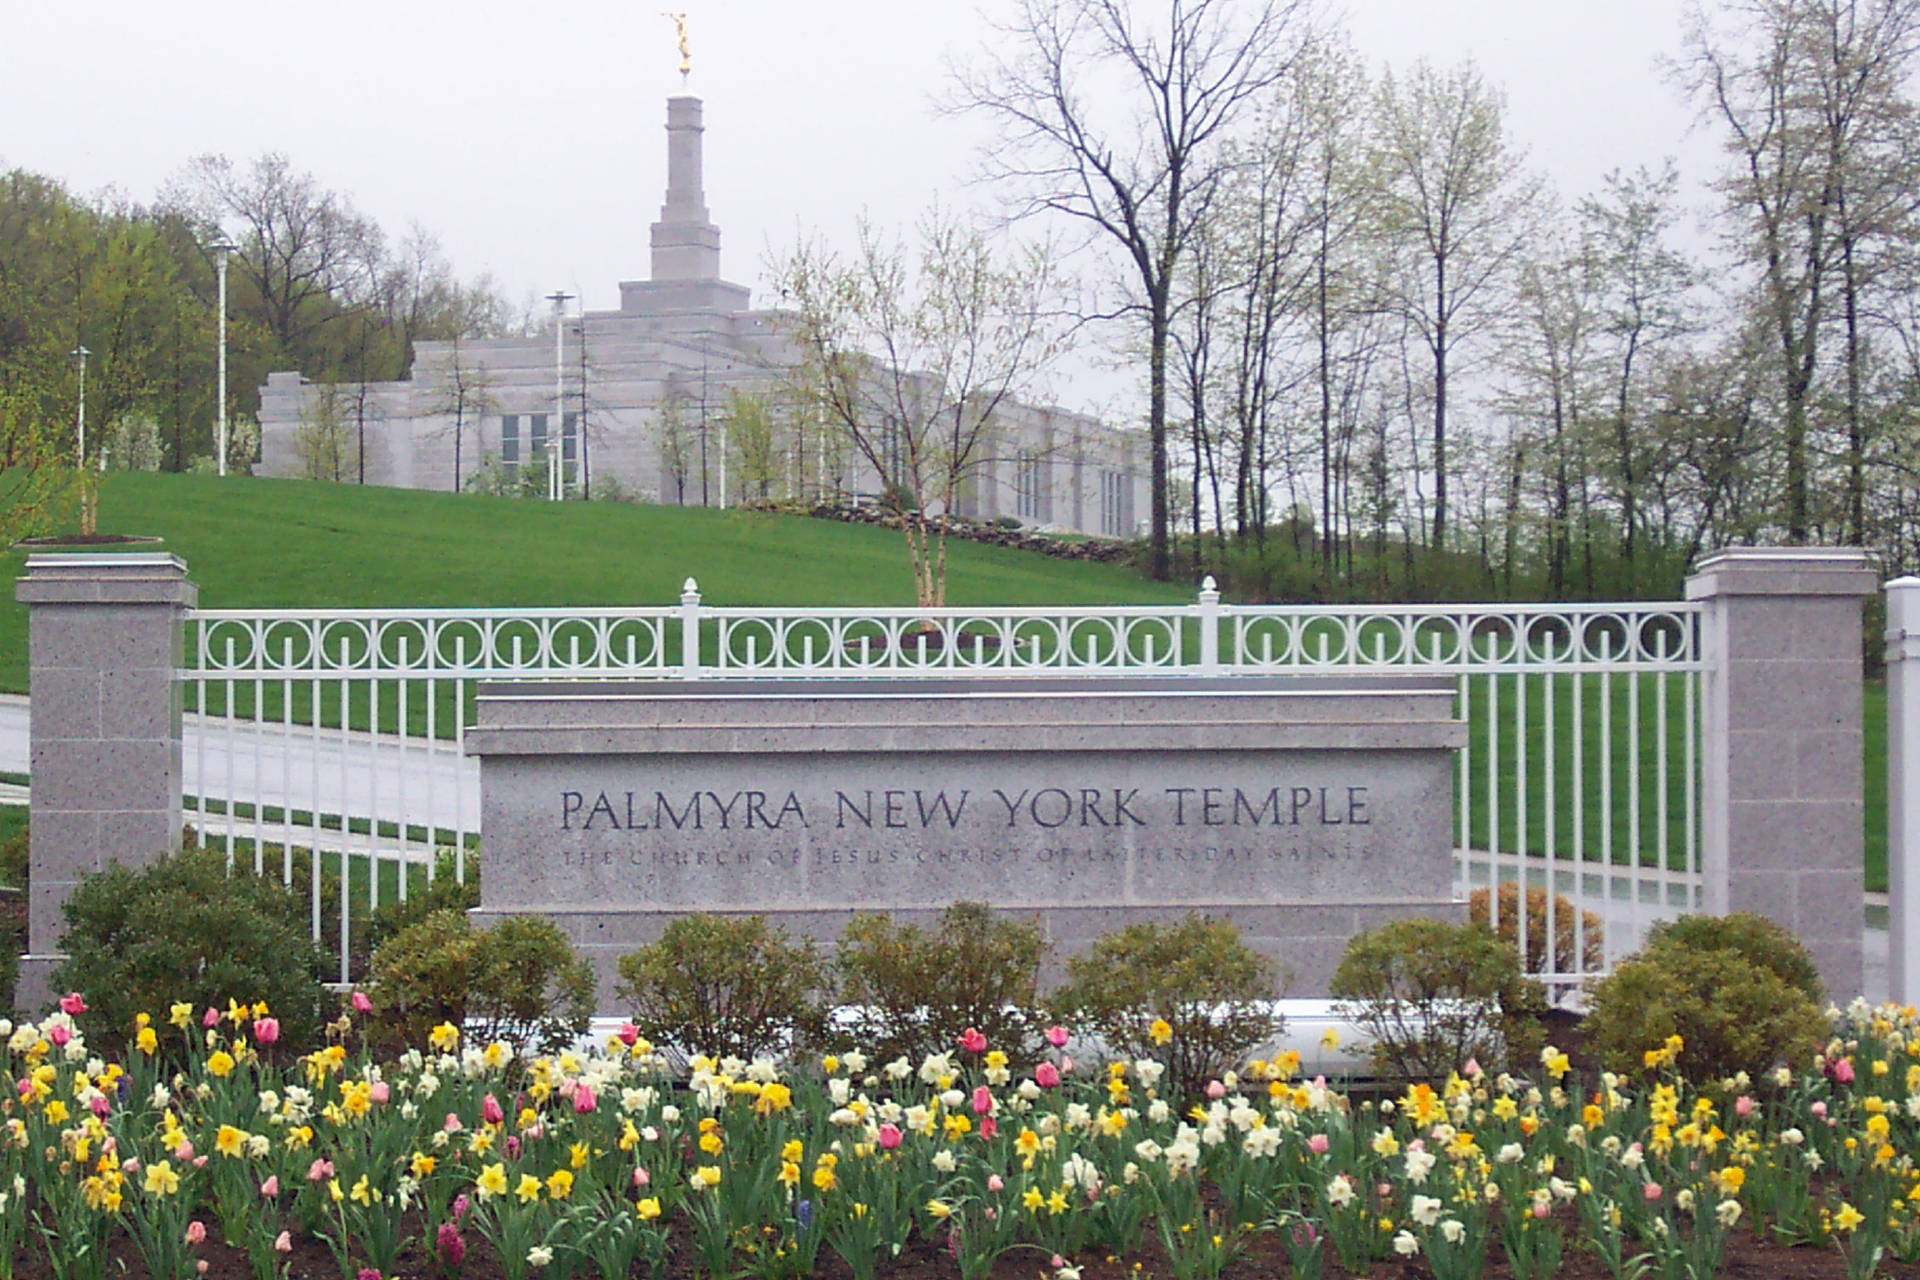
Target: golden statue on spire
x=686 y=55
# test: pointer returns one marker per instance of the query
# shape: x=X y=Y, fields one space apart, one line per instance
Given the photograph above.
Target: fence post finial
x=690 y=630
x=1209 y=627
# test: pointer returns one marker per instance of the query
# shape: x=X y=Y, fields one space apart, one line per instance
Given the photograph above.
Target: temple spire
x=686 y=244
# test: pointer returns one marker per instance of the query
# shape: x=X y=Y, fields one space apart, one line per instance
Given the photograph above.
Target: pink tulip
x=25 y=1086
x=266 y=1030
x=452 y=1123
x=99 y=1105
x=641 y=1178
x=1318 y=1144
x=982 y=1100
x=200 y=1267
x=629 y=1034
x=888 y=1137
x=283 y=1243
x=1743 y=1106
x=196 y=1232
x=1066 y=1064
x=1819 y=1109
x=367 y=1273
x=1057 y=1036
x=1046 y=1075
x=1216 y=1090
x=584 y=1102
x=184 y=1151
x=1651 y=1191
x=995 y=1182
x=988 y=1127
x=513 y=1148
x=490 y=1110
x=1843 y=1071
x=319 y=1171
x=199 y=1162
x=211 y=1018
x=973 y=1041
x=381 y=1092
x=361 y=1002
x=73 y=1004
x=60 y=1035
x=270 y=1189
x=129 y=1167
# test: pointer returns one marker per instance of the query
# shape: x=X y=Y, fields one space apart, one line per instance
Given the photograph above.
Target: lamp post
x=559 y=299
x=220 y=249
x=81 y=353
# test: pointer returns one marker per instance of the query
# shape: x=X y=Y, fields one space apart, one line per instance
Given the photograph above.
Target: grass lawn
x=251 y=542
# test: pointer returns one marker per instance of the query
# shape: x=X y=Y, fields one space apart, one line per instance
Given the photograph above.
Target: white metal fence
x=328 y=743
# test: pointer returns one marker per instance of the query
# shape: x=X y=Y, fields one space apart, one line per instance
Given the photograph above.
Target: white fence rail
x=330 y=741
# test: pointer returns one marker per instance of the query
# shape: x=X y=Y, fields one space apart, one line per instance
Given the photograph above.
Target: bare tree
x=303 y=248
x=1456 y=203
x=1643 y=283
x=1116 y=119
x=675 y=441
x=915 y=353
x=464 y=393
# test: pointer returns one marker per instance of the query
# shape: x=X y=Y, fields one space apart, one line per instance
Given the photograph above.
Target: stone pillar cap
x=121 y=577
x=1784 y=571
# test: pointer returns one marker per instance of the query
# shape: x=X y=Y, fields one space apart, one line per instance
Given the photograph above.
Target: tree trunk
x=1162 y=566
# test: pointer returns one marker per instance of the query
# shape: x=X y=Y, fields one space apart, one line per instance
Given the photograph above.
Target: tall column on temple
x=686 y=245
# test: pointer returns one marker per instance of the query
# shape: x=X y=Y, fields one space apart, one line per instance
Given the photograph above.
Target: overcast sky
x=529 y=138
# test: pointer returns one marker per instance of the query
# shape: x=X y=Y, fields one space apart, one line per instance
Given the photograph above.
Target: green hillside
x=299 y=544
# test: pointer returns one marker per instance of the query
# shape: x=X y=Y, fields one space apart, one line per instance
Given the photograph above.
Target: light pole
x=559 y=299
x=221 y=248
x=81 y=353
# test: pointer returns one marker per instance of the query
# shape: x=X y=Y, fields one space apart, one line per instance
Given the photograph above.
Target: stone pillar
x=1903 y=790
x=1782 y=808
x=104 y=637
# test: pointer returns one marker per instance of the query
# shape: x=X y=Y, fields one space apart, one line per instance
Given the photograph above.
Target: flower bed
x=211 y=1151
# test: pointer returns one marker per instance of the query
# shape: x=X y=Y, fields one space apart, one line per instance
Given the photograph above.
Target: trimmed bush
x=518 y=981
x=9 y=969
x=724 y=985
x=1731 y=1014
x=183 y=928
x=445 y=893
x=1588 y=956
x=1432 y=994
x=910 y=992
x=13 y=860
x=1211 y=991
x=1760 y=940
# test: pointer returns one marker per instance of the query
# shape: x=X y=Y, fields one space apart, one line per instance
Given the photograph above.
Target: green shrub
x=446 y=892
x=1731 y=1014
x=1213 y=992
x=183 y=928
x=1589 y=956
x=13 y=860
x=724 y=985
x=1431 y=994
x=1763 y=942
x=9 y=969
x=518 y=981
x=909 y=992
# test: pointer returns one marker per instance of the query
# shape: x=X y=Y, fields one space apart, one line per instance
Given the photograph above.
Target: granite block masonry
x=103 y=639
x=1303 y=809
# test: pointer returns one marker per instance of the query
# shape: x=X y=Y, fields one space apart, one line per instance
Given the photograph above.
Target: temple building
x=641 y=402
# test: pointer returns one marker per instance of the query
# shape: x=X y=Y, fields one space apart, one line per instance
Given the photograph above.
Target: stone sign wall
x=1303 y=809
